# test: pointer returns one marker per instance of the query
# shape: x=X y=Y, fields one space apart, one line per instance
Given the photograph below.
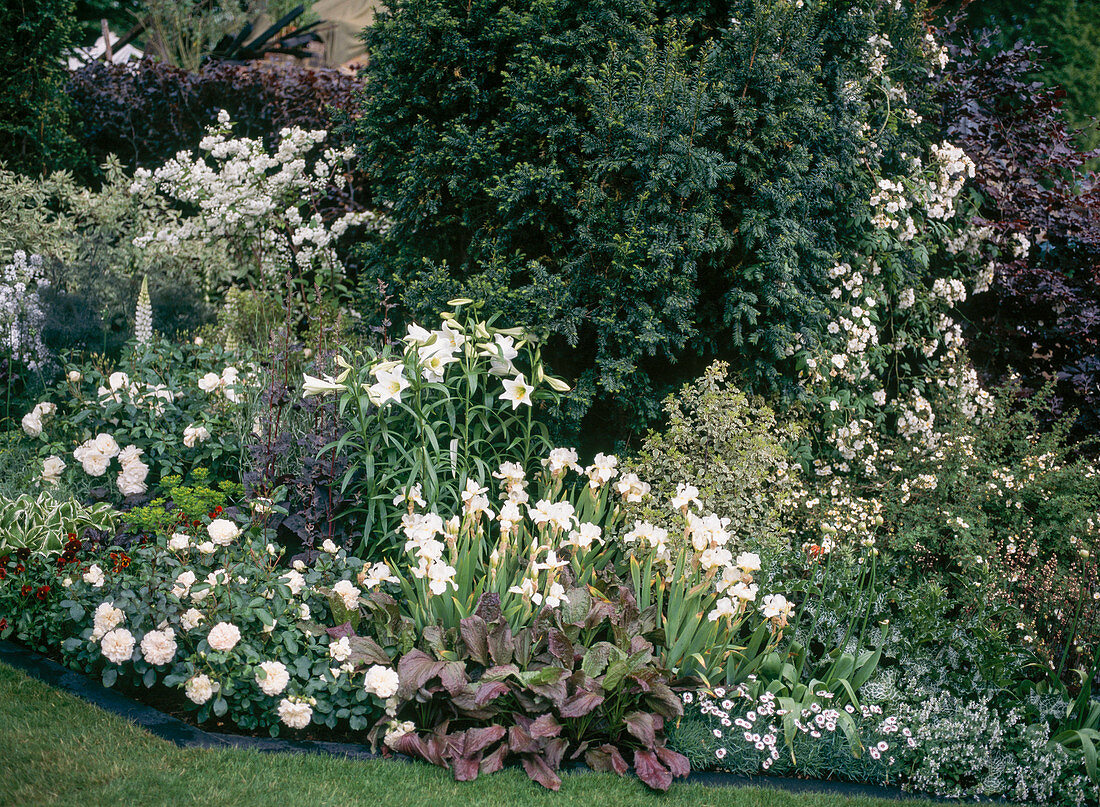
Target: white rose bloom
x=199 y=689
x=222 y=531
x=105 y=444
x=74 y=376
x=95 y=462
x=329 y=546
x=295 y=714
x=51 y=469
x=210 y=382
x=207 y=547
x=193 y=435
x=94 y=576
x=184 y=581
x=178 y=542
x=294 y=581
x=303 y=611
x=130 y=455
x=275 y=678
x=340 y=650
x=348 y=593
x=298 y=566
x=106 y=619
x=190 y=619
x=381 y=681
x=32 y=423
x=224 y=636
x=131 y=479
x=118 y=645
x=118 y=381
x=159 y=646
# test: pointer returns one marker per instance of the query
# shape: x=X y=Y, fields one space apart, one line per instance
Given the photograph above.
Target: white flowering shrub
x=258 y=201
x=163 y=409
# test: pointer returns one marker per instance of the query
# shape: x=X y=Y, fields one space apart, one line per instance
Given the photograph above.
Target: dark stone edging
x=185 y=735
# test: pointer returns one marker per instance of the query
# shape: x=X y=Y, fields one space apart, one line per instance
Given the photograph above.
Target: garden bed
x=185 y=734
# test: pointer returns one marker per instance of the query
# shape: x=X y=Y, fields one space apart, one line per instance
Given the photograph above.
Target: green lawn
x=58 y=750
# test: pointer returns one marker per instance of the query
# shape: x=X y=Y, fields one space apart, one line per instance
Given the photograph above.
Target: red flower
x=42 y=592
x=23 y=553
x=20 y=568
x=3 y=624
x=3 y=572
x=26 y=589
x=218 y=510
x=4 y=560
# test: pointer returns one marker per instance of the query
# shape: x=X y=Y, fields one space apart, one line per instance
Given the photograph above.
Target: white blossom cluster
x=1001 y=755
x=255 y=199
x=21 y=314
x=934 y=191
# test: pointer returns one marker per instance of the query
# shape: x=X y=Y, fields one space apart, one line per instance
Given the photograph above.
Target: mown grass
x=57 y=750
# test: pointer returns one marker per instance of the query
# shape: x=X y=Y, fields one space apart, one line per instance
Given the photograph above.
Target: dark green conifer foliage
x=649 y=186
x=35 y=36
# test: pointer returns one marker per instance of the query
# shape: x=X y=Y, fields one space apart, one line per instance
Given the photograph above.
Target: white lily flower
x=518 y=391
x=318 y=386
x=391 y=383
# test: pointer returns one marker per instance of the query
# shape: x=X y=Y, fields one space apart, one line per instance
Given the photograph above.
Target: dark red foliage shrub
x=145 y=112
x=1041 y=317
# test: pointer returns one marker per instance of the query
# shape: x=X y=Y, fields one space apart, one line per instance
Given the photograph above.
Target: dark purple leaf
x=477 y=740
x=581 y=704
x=494 y=761
x=490 y=691
x=644 y=726
x=340 y=631
x=541 y=773
x=466 y=768
x=488 y=607
x=475 y=635
x=651 y=771
x=677 y=764
x=545 y=726
x=501 y=646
